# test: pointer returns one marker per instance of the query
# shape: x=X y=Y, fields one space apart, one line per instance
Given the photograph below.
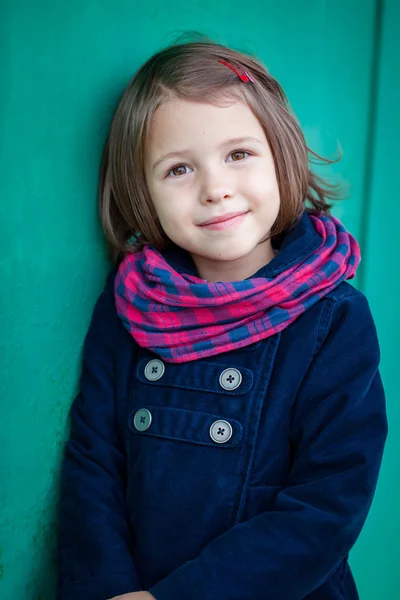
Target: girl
x=229 y=431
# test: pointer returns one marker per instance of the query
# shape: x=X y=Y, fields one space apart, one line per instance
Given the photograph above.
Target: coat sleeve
x=338 y=433
x=94 y=542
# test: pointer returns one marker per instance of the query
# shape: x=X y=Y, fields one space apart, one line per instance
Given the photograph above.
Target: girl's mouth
x=225 y=222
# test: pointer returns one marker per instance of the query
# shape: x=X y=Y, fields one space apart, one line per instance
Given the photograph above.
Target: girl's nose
x=216 y=187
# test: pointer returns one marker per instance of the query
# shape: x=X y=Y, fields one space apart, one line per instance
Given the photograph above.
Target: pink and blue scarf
x=181 y=317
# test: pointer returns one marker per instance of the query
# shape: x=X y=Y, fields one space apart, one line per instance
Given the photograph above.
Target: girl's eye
x=238 y=155
x=177 y=171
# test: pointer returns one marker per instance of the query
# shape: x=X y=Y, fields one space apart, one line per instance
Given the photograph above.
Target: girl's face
x=205 y=162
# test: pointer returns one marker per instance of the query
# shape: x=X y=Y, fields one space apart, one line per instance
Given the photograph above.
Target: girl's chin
x=228 y=255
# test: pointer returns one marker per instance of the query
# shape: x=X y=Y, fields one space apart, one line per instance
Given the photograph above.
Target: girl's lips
x=232 y=222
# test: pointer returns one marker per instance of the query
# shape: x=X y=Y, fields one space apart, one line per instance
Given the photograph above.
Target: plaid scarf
x=181 y=317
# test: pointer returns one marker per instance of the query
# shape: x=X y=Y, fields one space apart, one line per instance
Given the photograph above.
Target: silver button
x=142 y=419
x=230 y=379
x=221 y=432
x=154 y=370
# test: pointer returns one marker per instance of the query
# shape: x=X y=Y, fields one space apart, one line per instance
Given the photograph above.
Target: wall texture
x=63 y=66
x=377 y=546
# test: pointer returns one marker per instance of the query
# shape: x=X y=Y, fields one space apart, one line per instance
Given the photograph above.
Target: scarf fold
x=181 y=317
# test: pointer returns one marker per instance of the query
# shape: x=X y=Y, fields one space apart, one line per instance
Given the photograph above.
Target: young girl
x=229 y=431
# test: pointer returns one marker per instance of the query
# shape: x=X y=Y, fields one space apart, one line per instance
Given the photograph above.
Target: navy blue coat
x=269 y=513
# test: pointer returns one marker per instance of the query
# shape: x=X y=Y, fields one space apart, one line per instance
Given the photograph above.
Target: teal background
x=63 y=67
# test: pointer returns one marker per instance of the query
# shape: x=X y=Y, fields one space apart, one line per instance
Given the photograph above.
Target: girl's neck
x=236 y=270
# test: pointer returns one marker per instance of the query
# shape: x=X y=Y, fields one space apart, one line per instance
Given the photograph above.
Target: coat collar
x=294 y=245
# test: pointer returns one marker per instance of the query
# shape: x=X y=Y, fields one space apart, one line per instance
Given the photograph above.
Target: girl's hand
x=135 y=596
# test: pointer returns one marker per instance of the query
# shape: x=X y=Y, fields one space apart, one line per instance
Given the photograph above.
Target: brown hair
x=192 y=71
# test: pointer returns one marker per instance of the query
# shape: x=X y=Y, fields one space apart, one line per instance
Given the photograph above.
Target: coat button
x=154 y=370
x=142 y=419
x=221 y=432
x=230 y=379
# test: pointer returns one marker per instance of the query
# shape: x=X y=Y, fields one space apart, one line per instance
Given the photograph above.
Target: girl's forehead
x=180 y=119
x=186 y=107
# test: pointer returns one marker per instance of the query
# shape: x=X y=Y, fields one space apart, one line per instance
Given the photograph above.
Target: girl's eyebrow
x=231 y=141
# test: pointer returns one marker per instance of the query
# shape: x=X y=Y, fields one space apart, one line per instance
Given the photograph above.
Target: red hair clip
x=243 y=75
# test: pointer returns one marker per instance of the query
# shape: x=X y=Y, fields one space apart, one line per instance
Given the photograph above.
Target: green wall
x=378 y=545
x=63 y=66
